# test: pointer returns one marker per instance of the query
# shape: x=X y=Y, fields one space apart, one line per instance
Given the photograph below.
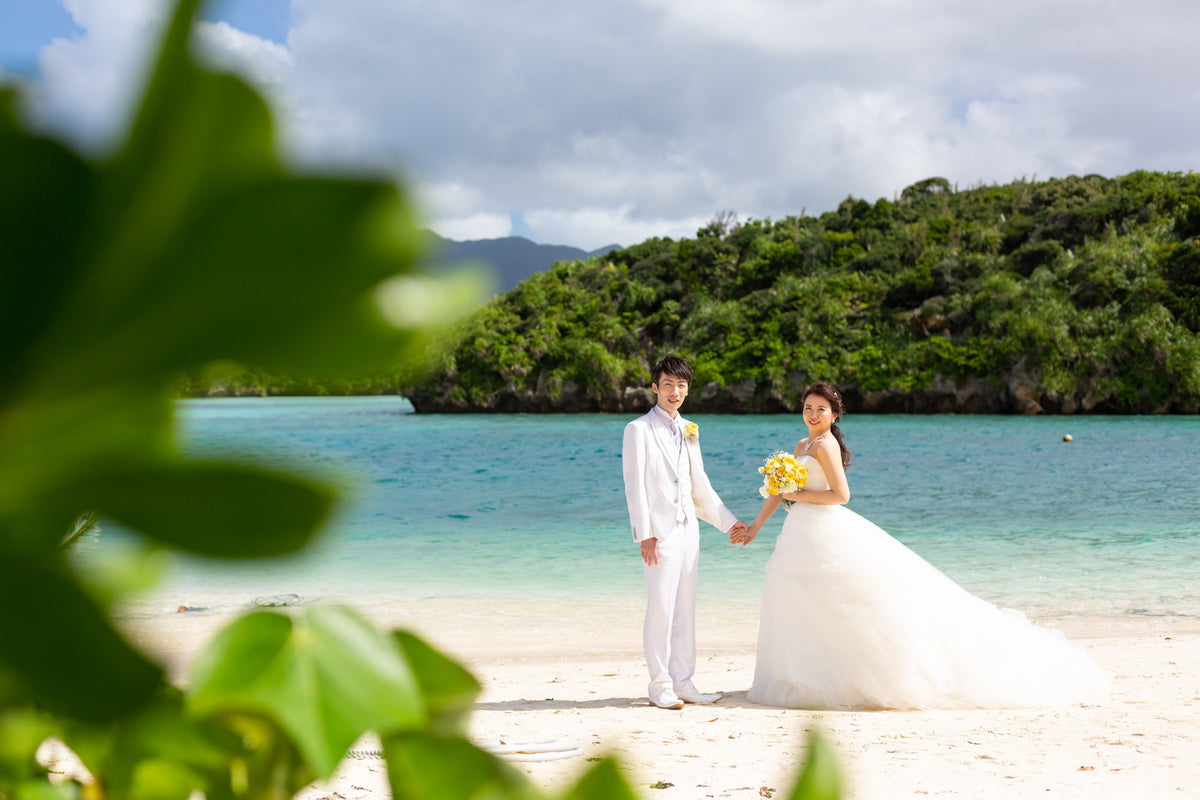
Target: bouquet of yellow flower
x=782 y=473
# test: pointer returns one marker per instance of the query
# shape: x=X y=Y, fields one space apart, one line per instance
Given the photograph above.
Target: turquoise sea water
x=481 y=505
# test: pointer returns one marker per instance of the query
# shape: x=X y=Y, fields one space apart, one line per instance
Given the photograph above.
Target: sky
x=596 y=123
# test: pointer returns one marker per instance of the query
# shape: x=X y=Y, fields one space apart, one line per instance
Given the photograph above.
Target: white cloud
x=482 y=225
x=267 y=65
x=459 y=211
x=587 y=227
x=598 y=123
x=88 y=84
x=452 y=199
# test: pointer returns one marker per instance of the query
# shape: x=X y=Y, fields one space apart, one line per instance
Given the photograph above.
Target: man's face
x=670 y=391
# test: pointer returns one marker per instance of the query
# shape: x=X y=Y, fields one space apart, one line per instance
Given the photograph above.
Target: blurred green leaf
x=161 y=779
x=225 y=510
x=325 y=680
x=114 y=573
x=202 y=247
x=246 y=278
x=22 y=731
x=448 y=689
x=44 y=790
x=821 y=778
x=155 y=746
x=429 y=767
x=42 y=443
x=270 y=765
x=193 y=244
x=603 y=781
x=63 y=650
x=44 y=195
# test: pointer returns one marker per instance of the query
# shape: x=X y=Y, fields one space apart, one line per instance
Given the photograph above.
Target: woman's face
x=817 y=412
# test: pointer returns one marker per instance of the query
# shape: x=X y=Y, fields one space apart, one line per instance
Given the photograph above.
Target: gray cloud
x=589 y=123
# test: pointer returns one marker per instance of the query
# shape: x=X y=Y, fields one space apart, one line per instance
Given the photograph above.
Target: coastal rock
x=546 y=397
x=1023 y=391
x=885 y=401
x=979 y=396
x=221 y=389
x=1056 y=403
x=1020 y=392
x=636 y=398
x=735 y=398
x=941 y=397
x=1093 y=399
x=944 y=396
x=775 y=402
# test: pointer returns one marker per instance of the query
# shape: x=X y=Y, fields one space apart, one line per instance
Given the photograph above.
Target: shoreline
x=486 y=627
x=574 y=672
x=607 y=620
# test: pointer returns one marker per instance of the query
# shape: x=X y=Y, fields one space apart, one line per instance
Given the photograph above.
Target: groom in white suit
x=667 y=490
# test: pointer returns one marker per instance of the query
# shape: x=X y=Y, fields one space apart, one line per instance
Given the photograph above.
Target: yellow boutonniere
x=691 y=431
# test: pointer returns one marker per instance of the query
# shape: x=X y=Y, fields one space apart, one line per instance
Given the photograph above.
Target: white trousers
x=669 y=632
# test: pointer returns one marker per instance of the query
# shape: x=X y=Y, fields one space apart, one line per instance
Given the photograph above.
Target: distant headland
x=1065 y=296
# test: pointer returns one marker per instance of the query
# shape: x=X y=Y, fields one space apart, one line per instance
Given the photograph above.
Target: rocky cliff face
x=1015 y=393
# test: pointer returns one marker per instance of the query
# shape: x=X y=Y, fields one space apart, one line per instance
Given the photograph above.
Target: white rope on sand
x=536 y=750
x=360 y=752
x=540 y=750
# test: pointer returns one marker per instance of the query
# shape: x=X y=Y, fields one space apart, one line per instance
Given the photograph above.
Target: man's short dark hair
x=674 y=366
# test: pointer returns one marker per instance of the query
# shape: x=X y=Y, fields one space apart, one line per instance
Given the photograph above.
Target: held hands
x=741 y=533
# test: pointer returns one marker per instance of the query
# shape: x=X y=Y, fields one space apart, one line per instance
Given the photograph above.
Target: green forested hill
x=1071 y=295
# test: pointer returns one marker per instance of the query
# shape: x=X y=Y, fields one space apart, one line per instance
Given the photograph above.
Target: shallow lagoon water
x=532 y=505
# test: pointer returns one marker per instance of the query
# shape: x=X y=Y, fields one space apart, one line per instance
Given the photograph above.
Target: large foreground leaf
x=449 y=691
x=225 y=510
x=156 y=752
x=65 y=653
x=428 y=767
x=821 y=778
x=192 y=244
x=325 y=680
x=45 y=191
x=603 y=781
x=199 y=245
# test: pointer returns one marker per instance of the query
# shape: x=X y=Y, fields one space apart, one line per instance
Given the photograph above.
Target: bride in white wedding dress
x=852 y=619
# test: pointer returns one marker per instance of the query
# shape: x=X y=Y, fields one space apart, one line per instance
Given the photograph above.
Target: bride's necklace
x=814 y=440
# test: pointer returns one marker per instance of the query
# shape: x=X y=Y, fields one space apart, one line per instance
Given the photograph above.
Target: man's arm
x=708 y=503
x=633 y=467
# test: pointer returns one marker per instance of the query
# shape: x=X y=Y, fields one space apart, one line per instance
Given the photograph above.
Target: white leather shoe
x=693 y=696
x=666 y=699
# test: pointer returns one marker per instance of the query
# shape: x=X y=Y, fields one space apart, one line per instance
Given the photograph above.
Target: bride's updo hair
x=838 y=408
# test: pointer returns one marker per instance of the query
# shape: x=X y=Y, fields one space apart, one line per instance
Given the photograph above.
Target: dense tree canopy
x=1070 y=295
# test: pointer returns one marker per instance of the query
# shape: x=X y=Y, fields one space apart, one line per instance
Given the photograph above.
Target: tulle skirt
x=852 y=619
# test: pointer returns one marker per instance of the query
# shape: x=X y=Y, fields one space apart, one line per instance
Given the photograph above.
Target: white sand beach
x=573 y=672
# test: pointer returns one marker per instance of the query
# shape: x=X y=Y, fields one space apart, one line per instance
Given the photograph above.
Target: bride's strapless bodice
x=816 y=481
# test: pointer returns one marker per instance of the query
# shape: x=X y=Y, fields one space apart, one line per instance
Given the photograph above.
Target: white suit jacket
x=651 y=467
